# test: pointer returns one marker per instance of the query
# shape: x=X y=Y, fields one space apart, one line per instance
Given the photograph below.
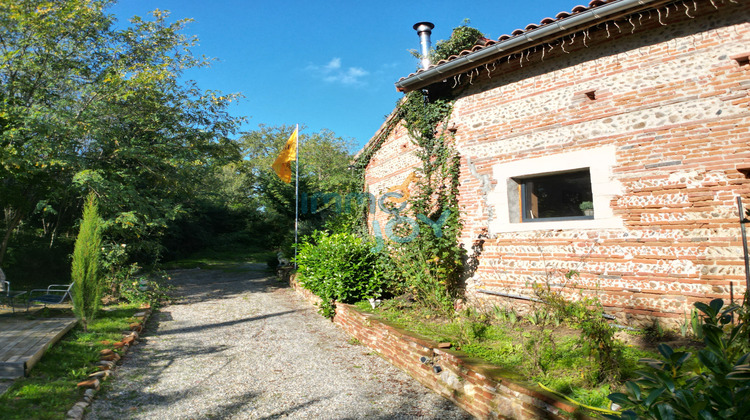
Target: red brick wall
x=673 y=107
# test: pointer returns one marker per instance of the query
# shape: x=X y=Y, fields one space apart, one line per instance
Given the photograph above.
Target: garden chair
x=8 y=294
x=53 y=294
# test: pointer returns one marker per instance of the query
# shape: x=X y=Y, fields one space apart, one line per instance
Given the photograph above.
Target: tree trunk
x=11 y=223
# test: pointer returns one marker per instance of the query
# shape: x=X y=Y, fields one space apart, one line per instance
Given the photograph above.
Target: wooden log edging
x=108 y=362
x=483 y=390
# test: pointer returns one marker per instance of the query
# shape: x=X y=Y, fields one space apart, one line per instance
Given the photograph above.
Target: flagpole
x=296 y=192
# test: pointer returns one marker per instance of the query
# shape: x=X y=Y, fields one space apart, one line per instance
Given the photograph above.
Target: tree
x=45 y=60
x=86 y=107
x=86 y=268
x=324 y=161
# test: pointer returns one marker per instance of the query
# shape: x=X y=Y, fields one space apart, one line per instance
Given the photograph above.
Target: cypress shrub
x=86 y=271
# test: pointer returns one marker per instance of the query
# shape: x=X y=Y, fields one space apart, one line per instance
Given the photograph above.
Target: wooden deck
x=23 y=342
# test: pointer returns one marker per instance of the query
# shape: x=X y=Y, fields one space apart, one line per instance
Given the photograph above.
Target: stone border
x=108 y=363
x=483 y=390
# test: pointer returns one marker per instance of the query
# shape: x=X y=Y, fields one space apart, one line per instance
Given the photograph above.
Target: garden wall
x=484 y=391
x=656 y=107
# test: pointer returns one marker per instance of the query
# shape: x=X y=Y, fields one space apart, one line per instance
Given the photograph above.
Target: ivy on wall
x=430 y=264
x=435 y=201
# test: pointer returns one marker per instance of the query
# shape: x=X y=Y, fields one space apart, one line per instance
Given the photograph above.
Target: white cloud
x=332 y=65
x=334 y=72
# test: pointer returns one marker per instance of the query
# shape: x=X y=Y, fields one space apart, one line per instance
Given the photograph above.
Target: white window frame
x=604 y=188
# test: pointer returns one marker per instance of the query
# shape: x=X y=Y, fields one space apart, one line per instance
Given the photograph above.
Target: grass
x=226 y=261
x=50 y=389
x=553 y=355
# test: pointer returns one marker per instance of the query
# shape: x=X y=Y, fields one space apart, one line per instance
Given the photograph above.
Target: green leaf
x=739 y=373
x=705 y=415
x=705 y=309
x=665 y=411
x=714 y=362
x=665 y=350
x=620 y=398
x=716 y=305
x=654 y=363
x=728 y=413
x=633 y=389
x=666 y=380
x=652 y=397
x=721 y=396
x=679 y=358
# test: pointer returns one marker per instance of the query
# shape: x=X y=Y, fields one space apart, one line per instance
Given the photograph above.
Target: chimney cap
x=423 y=26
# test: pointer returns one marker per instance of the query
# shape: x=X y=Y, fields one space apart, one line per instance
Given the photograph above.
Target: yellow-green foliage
x=86 y=273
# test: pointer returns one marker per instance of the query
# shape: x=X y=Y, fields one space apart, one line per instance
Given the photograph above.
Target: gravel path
x=244 y=346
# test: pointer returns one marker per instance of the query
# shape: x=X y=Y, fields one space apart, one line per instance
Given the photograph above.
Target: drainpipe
x=525 y=40
x=492 y=292
x=743 y=221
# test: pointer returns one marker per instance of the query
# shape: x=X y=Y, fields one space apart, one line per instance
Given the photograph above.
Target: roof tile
x=484 y=42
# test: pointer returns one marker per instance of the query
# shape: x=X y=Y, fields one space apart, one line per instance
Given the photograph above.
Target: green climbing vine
x=427 y=265
x=433 y=260
x=463 y=37
x=423 y=258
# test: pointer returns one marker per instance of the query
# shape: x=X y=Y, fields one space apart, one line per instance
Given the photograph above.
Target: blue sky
x=324 y=64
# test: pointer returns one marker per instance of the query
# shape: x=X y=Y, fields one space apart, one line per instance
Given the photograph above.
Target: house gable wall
x=666 y=133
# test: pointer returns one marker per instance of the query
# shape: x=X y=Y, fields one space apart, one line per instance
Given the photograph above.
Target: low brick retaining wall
x=483 y=390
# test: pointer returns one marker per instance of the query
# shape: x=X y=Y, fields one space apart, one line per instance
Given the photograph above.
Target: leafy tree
x=324 y=161
x=84 y=106
x=46 y=54
x=86 y=267
x=324 y=158
x=161 y=137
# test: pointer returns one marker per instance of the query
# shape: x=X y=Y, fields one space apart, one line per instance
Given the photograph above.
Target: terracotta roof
x=484 y=42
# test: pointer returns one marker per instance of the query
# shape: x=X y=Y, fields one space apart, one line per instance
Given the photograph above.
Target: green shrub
x=338 y=268
x=587 y=313
x=86 y=266
x=717 y=387
x=420 y=273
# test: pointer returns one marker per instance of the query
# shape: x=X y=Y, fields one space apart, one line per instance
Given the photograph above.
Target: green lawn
x=50 y=389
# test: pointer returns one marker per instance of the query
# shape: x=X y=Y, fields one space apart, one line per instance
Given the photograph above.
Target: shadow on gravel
x=233 y=407
x=196 y=285
x=289 y=411
x=221 y=324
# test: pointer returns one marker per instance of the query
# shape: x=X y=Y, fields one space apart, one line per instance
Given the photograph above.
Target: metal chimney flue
x=424 y=30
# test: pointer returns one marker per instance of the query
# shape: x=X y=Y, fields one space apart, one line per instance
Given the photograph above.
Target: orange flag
x=283 y=164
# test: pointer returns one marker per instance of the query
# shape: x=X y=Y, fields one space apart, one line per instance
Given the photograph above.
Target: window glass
x=560 y=196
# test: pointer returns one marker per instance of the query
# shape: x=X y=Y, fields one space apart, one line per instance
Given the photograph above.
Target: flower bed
x=483 y=390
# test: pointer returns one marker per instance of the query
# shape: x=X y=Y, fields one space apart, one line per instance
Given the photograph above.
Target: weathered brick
x=676 y=114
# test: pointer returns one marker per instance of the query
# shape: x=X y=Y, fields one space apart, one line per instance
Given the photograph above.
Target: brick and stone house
x=638 y=109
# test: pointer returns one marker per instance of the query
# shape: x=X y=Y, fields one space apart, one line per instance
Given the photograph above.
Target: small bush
x=339 y=268
x=587 y=313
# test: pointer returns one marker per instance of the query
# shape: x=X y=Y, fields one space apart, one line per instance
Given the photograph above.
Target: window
x=560 y=196
x=555 y=191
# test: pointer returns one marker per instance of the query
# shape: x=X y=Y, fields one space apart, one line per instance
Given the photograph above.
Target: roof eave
x=525 y=40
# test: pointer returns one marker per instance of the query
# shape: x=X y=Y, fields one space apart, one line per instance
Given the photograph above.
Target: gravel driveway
x=243 y=345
